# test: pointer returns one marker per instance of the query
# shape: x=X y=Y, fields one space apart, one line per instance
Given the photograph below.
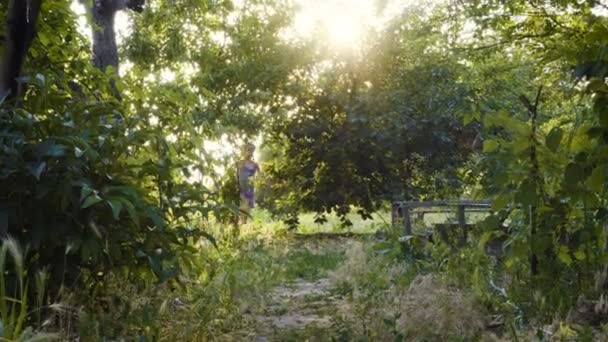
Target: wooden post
x=407 y=223
x=394 y=214
x=462 y=221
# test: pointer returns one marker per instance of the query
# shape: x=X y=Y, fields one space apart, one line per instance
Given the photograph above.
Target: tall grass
x=13 y=307
x=14 y=296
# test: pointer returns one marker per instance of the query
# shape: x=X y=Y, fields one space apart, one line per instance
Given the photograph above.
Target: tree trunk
x=105 y=50
x=20 y=31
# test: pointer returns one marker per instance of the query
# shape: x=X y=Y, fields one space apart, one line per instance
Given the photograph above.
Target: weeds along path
x=305 y=304
x=329 y=288
x=337 y=288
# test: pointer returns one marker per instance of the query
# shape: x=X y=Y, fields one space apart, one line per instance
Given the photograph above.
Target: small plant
x=15 y=310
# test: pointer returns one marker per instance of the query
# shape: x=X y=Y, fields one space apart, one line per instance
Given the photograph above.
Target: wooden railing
x=402 y=210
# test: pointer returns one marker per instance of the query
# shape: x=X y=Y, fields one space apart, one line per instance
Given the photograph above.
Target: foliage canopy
x=107 y=172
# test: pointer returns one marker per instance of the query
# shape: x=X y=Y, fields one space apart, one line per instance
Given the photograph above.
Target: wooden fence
x=402 y=210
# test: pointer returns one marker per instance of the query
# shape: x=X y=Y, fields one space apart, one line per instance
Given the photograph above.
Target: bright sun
x=343 y=22
x=344 y=30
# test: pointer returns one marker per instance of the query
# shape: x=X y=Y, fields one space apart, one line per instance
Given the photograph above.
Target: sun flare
x=342 y=23
x=344 y=31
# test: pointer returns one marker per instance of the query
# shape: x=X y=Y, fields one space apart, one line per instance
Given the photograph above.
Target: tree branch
x=135 y=5
x=537 y=100
x=20 y=31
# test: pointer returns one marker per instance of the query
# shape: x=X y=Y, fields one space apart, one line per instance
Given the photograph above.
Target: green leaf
x=43 y=37
x=490 y=223
x=125 y=190
x=155 y=264
x=88 y=197
x=521 y=144
x=501 y=201
x=601 y=108
x=85 y=192
x=468 y=118
x=504 y=120
x=91 y=200
x=597 y=85
x=168 y=273
x=527 y=194
x=510 y=262
x=49 y=149
x=574 y=173
x=554 y=138
x=154 y=215
x=490 y=145
x=130 y=210
x=564 y=255
x=116 y=206
x=597 y=178
x=580 y=254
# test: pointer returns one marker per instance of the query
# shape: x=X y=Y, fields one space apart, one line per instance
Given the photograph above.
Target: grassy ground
x=333 y=224
x=272 y=284
x=265 y=223
x=315 y=284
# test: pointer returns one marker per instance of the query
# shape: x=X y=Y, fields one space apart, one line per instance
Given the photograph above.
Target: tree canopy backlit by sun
x=122 y=122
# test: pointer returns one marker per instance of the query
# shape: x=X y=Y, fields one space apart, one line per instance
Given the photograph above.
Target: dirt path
x=298 y=307
x=301 y=305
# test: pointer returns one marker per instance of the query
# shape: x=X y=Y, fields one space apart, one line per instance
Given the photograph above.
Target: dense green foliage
x=364 y=130
x=487 y=99
x=544 y=163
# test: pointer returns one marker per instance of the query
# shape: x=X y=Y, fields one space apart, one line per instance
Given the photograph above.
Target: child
x=246 y=169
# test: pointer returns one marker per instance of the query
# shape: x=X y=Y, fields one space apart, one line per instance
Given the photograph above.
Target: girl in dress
x=246 y=169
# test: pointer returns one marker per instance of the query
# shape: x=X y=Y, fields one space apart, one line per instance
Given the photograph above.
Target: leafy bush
x=78 y=187
x=69 y=191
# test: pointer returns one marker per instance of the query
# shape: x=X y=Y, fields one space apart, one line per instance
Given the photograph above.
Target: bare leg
x=244 y=210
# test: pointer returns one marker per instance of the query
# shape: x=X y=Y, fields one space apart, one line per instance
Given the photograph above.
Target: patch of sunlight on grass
x=333 y=224
x=262 y=223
